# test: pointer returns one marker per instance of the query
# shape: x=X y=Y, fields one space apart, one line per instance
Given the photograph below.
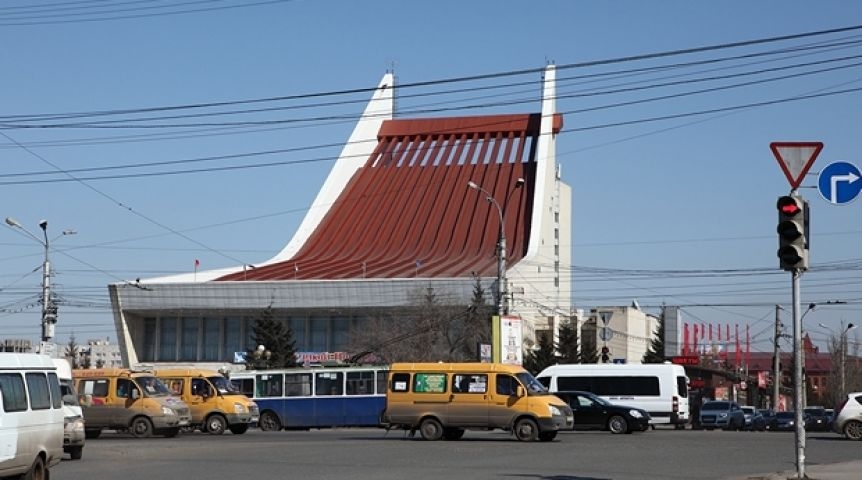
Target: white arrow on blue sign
x=839 y=183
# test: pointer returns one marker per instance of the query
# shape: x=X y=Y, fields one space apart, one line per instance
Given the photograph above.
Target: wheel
x=526 y=430
x=618 y=424
x=37 y=471
x=239 y=429
x=92 y=433
x=430 y=429
x=141 y=427
x=269 y=422
x=453 y=433
x=215 y=424
x=547 y=436
x=853 y=430
x=76 y=452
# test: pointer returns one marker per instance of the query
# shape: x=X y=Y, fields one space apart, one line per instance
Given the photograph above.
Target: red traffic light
x=790 y=206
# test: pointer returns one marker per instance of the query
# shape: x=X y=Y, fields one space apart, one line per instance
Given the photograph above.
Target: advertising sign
x=511 y=336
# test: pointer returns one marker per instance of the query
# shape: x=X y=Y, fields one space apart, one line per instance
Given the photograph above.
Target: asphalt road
x=372 y=454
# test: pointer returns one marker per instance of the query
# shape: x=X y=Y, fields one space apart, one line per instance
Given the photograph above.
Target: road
x=372 y=454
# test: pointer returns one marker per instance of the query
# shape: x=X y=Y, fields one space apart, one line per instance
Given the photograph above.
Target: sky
x=165 y=132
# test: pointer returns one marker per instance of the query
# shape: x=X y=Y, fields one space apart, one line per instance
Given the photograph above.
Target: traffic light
x=792 y=233
x=606 y=355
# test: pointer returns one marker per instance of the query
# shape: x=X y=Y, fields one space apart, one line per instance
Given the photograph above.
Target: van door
x=504 y=401
x=468 y=404
x=121 y=402
x=93 y=397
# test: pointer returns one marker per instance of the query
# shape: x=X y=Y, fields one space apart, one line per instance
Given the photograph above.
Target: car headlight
x=722 y=414
x=635 y=413
x=168 y=411
x=554 y=410
x=78 y=423
x=239 y=408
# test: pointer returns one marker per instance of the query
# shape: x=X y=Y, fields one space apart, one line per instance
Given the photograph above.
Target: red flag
x=197 y=263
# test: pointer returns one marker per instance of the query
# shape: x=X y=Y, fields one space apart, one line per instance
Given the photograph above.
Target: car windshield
x=786 y=415
x=716 y=406
x=153 y=387
x=818 y=412
x=748 y=410
x=223 y=385
x=597 y=399
x=531 y=384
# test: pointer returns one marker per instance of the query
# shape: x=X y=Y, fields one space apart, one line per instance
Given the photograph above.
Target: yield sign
x=795 y=158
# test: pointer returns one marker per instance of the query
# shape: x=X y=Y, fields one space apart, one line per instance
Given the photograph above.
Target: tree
x=655 y=352
x=279 y=347
x=589 y=348
x=477 y=323
x=426 y=330
x=546 y=355
x=72 y=351
x=567 y=347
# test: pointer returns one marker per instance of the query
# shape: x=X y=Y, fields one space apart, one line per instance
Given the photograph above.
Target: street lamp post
x=49 y=309
x=502 y=300
x=843 y=364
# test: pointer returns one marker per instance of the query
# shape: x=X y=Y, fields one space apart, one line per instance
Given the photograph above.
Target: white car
x=848 y=417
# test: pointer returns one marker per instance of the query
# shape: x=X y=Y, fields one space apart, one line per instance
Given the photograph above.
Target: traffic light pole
x=798 y=390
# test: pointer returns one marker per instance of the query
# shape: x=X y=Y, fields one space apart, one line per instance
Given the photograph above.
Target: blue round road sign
x=839 y=182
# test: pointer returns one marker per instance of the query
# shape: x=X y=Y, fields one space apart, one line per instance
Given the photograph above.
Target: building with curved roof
x=410 y=203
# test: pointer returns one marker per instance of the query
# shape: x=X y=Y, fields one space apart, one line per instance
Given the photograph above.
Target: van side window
x=56 y=392
x=506 y=385
x=37 y=384
x=124 y=386
x=470 y=383
x=14 y=394
x=429 y=383
x=200 y=387
x=400 y=382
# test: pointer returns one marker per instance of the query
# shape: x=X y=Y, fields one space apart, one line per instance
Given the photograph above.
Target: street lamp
x=502 y=300
x=843 y=365
x=261 y=357
x=49 y=309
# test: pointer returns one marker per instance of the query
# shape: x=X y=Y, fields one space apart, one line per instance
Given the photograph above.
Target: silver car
x=722 y=414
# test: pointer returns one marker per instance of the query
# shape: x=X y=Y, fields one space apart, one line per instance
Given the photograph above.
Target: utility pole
x=776 y=360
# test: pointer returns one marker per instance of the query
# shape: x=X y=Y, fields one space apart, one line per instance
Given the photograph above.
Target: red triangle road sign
x=795 y=158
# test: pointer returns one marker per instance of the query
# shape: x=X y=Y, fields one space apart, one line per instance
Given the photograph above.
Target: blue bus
x=316 y=397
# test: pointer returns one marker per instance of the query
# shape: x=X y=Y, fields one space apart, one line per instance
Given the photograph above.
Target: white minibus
x=660 y=389
x=31 y=415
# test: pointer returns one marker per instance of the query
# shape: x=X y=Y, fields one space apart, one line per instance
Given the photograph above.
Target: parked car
x=722 y=414
x=753 y=419
x=848 y=417
x=816 y=419
x=783 y=422
x=592 y=412
x=768 y=415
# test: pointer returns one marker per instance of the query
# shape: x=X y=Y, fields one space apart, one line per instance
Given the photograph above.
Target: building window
x=148 y=350
x=340 y=334
x=189 y=343
x=211 y=339
x=319 y=329
x=168 y=339
x=232 y=336
x=297 y=327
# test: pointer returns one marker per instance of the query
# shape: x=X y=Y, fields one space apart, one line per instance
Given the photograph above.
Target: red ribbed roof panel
x=409 y=212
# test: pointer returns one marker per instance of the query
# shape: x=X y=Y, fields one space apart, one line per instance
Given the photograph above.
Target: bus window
x=329 y=383
x=381 y=381
x=245 y=386
x=269 y=385
x=297 y=385
x=360 y=383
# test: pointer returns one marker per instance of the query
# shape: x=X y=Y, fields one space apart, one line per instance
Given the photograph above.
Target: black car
x=817 y=419
x=783 y=422
x=595 y=413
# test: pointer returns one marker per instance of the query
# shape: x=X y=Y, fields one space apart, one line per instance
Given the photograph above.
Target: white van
x=31 y=415
x=660 y=389
x=73 y=416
